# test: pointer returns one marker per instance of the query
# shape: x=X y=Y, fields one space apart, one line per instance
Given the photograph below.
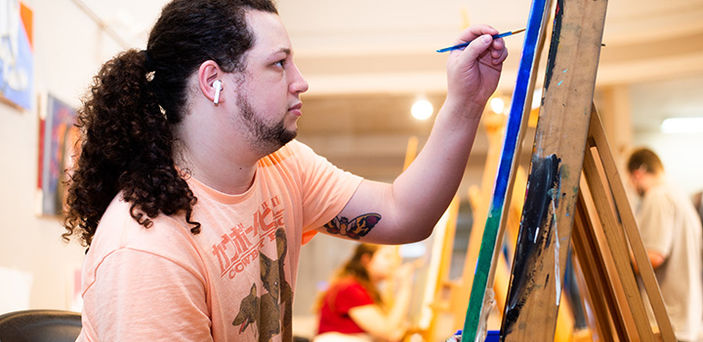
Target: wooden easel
x=605 y=245
x=448 y=296
x=564 y=147
x=438 y=266
x=570 y=140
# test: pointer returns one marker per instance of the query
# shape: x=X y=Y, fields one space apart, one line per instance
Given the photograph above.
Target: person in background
x=352 y=308
x=671 y=233
x=194 y=197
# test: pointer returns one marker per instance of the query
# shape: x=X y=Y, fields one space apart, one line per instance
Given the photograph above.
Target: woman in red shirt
x=352 y=308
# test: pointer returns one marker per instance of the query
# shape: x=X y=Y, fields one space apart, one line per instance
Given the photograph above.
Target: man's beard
x=266 y=137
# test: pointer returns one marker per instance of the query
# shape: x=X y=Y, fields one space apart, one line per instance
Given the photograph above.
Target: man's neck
x=227 y=175
x=652 y=181
x=217 y=158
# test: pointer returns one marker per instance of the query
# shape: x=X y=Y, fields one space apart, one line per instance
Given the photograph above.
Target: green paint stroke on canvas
x=483 y=267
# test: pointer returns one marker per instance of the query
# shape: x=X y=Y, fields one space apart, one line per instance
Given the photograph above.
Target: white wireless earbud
x=218 y=88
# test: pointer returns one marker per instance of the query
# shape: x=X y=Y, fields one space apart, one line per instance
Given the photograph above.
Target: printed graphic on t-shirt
x=241 y=245
x=248 y=310
x=265 y=311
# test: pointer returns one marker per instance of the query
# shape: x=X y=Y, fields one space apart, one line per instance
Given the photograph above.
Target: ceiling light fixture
x=422 y=109
x=497 y=105
x=682 y=125
x=537 y=98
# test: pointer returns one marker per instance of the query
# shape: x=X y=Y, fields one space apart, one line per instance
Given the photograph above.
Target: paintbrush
x=495 y=36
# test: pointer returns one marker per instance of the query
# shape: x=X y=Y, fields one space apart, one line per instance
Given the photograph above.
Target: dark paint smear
x=542 y=184
x=556 y=32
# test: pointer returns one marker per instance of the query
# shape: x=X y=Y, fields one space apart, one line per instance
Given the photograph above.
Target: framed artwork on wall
x=16 y=54
x=58 y=144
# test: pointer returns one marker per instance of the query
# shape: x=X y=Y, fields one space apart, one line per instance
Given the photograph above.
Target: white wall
x=681 y=156
x=68 y=49
x=680 y=152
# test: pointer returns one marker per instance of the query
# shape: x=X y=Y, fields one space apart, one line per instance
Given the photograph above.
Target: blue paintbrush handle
x=463 y=45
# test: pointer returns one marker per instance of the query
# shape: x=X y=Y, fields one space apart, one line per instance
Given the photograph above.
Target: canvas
x=58 y=139
x=16 y=54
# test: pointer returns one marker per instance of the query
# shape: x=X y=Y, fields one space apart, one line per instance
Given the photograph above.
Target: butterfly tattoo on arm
x=354 y=228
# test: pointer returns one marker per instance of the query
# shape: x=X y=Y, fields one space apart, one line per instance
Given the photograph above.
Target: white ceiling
x=388 y=45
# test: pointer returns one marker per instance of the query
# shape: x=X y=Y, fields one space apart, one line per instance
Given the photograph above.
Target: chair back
x=40 y=326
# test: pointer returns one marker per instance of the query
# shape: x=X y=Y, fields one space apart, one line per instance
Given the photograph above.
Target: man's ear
x=208 y=73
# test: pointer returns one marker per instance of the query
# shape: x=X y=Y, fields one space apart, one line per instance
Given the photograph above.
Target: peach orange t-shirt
x=232 y=282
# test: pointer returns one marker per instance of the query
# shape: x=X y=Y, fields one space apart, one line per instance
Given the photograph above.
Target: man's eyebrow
x=285 y=50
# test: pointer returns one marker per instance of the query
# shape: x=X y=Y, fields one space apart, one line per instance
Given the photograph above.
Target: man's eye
x=281 y=63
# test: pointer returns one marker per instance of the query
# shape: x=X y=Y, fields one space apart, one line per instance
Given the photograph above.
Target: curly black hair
x=135 y=100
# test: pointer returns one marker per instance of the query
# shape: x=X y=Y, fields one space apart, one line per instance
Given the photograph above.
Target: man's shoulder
x=672 y=193
x=662 y=194
x=294 y=157
x=165 y=236
x=292 y=149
